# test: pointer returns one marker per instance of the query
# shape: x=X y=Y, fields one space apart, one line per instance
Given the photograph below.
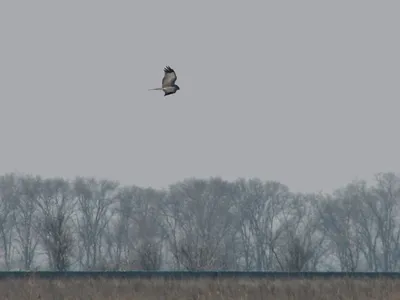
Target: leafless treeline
x=196 y=224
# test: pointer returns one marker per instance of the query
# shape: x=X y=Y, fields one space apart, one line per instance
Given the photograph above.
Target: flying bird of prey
x=168 y=83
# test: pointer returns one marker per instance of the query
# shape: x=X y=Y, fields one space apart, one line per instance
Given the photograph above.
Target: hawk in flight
x=168 y=83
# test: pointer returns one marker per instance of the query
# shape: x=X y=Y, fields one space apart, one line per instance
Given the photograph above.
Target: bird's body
x=168 y=82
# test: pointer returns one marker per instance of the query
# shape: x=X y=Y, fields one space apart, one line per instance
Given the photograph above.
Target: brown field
x=118 y=289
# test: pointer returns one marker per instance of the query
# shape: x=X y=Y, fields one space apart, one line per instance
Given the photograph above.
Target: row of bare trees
x=197 y=224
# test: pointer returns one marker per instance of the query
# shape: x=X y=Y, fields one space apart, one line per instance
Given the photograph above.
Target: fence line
x=194 y=274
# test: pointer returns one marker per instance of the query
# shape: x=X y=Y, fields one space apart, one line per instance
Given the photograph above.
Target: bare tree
x=58 y=241
x=262 y=221
x=302 y=243
x=8 y=203
x=149 y=255
x=384 y=207
x=117 y=231
x=337 y=220
x=198 y=218
x=56 y=206
x=95 y=200
x=147 y=229
x=134 y=234
x=26 y=237
x=365 y=227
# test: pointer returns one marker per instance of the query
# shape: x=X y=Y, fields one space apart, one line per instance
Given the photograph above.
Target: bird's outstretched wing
x=169 y=77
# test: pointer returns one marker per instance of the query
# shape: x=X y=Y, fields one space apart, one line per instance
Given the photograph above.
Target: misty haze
x=279 y=152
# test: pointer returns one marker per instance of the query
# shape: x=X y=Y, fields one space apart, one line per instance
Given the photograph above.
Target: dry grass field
x=138 y=289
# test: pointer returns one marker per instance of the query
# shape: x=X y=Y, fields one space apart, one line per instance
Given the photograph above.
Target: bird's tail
x=156 y=89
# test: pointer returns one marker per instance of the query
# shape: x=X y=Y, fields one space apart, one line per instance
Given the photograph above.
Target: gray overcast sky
x=303 y=92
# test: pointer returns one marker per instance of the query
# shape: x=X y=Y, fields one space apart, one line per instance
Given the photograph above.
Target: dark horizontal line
x=194 y=274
